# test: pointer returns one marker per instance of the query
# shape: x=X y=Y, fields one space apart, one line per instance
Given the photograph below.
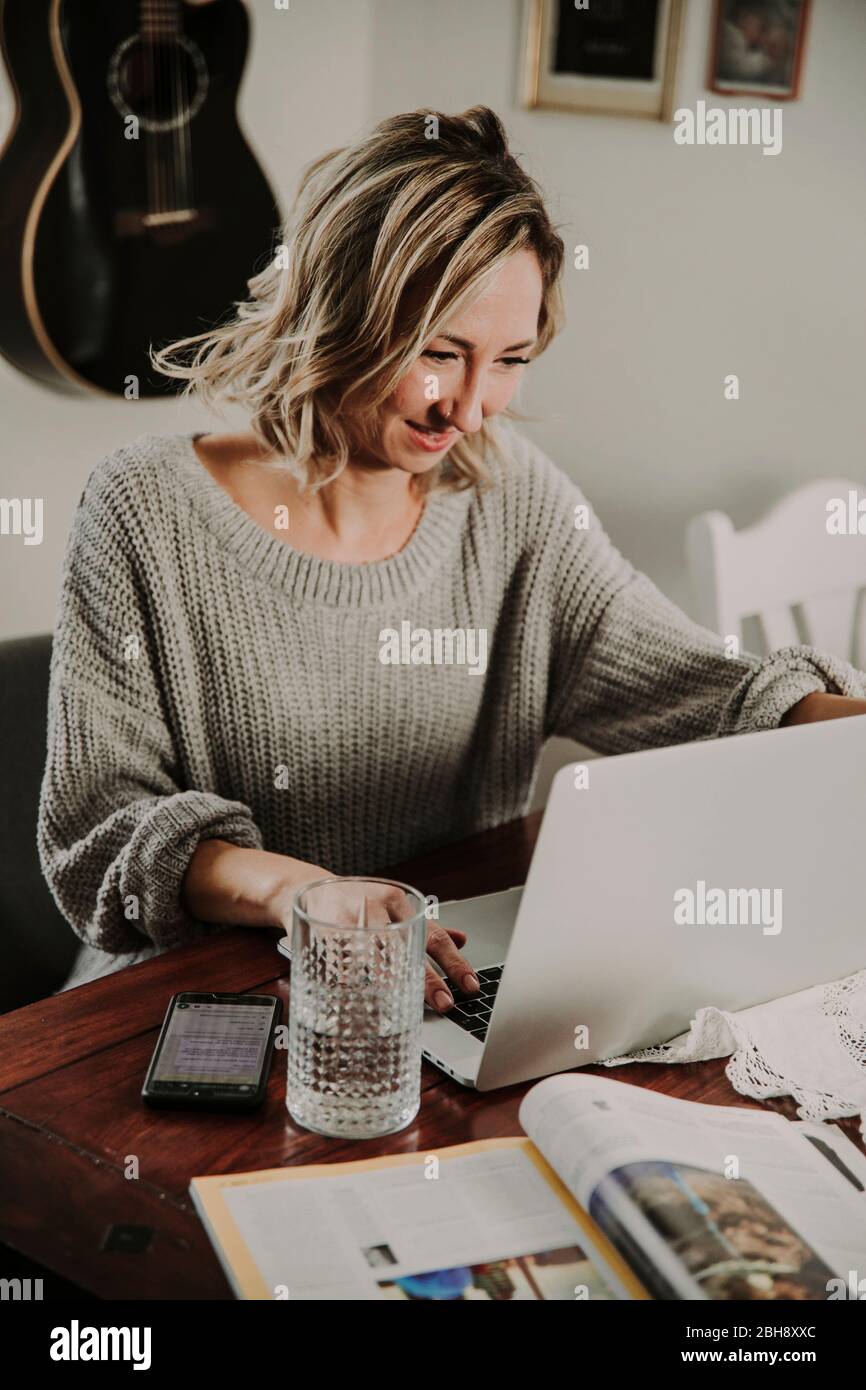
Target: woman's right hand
x=338 y=902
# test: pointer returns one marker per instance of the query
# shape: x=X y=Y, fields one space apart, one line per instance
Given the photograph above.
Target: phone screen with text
x=215 y=1043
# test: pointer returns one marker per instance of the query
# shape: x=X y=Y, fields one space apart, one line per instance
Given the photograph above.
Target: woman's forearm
x=822 y=705
x=246 y=887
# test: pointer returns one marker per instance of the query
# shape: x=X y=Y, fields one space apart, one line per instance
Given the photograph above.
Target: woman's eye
x=454 y=357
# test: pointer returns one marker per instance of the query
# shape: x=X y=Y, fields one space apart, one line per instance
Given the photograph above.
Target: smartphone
x=214 y=1052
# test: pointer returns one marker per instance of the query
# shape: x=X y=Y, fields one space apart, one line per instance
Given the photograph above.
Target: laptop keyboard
x=472 y=1011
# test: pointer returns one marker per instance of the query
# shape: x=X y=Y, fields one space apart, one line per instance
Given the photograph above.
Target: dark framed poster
x=614 y=57
x=758 y=47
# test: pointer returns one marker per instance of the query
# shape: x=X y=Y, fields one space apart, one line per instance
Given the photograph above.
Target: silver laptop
x=725 y=872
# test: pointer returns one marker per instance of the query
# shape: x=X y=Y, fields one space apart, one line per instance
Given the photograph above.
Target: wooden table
x=73 y=1130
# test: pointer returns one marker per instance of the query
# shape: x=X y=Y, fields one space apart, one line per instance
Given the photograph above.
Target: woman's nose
x=464 y=410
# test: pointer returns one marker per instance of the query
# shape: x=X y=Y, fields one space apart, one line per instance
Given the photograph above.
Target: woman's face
x=752 y=27
x=468 y=373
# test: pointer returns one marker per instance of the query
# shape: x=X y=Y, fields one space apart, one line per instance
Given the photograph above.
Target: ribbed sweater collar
x=308 y=578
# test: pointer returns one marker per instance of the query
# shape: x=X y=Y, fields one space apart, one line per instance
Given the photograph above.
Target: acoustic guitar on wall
x=132 y=211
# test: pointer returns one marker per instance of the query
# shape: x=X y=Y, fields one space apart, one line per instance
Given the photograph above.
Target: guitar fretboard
x=160 y=19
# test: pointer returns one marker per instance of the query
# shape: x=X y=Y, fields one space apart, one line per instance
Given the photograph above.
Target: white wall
x=704 y=261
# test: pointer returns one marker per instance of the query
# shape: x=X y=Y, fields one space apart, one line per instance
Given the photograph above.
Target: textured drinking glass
x=356 y=1009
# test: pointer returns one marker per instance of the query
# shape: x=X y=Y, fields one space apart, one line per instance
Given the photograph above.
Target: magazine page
x=487 y=1220
x=838 y=1150
x=703 y=1201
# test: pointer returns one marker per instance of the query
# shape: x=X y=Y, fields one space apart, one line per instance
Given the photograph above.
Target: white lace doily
x=810 y=1045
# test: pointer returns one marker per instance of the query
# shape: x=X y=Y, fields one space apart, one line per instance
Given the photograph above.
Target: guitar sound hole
x=162 y=82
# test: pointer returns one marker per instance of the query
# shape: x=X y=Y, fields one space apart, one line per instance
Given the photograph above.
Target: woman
x=246 y=687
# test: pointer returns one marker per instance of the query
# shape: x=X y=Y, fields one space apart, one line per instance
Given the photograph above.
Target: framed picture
x=611 y=57
x=758 y=47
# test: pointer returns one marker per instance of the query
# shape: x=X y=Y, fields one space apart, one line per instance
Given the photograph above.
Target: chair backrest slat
x=778 y=628
x=828 y=620
x=796 y=570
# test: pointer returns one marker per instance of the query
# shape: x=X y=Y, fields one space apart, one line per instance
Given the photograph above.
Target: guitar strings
x=166 y=105
x=173 y=56
x=179 y=113
x=181 y=121
x=167 y=83
x=157 y=66
x=187 y=132
x=148 y=65
x=161 y=110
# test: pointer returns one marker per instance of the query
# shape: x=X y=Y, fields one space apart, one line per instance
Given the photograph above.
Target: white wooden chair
x=788 y=572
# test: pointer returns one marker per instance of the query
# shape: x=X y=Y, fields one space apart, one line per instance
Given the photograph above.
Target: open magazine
x=616 y=1192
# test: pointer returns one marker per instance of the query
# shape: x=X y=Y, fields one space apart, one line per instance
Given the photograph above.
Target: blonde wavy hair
x=387 y=239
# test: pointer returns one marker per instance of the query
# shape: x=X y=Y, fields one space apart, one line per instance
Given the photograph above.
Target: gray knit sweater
x=208 y=680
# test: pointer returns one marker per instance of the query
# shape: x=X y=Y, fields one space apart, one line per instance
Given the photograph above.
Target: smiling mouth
x=429 y=438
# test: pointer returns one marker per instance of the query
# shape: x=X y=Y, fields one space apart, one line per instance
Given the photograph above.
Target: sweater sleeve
x=631 y=671
x=116 y=826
